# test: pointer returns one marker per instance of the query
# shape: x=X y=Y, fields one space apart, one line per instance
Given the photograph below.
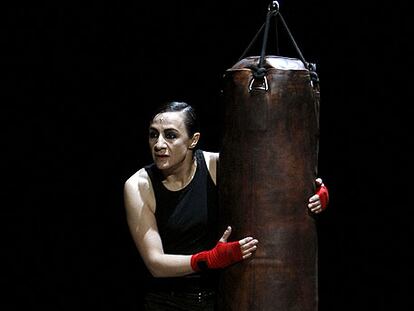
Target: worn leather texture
x=267 y=170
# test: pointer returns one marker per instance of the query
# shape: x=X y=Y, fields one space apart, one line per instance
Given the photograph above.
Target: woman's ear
x=194 y=140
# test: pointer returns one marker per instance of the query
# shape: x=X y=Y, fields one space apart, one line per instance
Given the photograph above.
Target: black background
x=79 y=80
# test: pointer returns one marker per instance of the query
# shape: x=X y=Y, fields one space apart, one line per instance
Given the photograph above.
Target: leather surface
x=267 y=169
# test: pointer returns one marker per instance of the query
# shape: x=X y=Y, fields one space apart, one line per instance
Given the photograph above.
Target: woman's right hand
x=248 y=245
x=224 y=254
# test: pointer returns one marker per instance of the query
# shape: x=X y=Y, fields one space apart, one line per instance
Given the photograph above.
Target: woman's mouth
x=161 y=156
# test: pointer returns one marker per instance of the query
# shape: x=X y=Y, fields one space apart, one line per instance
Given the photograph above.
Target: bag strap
x=259 y=70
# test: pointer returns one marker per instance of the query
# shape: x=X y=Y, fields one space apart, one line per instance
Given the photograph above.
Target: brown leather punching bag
x=267 y=171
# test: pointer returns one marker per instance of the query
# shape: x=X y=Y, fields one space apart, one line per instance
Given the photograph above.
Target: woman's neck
x=181 y=176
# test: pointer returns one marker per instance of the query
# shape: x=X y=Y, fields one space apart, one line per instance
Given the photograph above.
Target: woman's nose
x=160 y=143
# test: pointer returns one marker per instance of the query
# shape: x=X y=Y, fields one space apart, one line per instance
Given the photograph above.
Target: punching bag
x=267 y=172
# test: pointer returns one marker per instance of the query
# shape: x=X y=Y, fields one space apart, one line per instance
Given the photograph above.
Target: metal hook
x=274 y=7
x=263 y=87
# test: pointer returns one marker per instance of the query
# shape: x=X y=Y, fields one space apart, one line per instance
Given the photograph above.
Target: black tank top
x=187 y=218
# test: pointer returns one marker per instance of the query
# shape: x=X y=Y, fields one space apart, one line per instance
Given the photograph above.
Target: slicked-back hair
x=190 y=115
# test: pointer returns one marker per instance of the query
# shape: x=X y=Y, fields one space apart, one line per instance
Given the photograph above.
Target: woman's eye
x=170 y=135
x=153 y=134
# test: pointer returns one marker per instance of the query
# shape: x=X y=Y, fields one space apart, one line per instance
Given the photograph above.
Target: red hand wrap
x=222 y=255
x=323 y=193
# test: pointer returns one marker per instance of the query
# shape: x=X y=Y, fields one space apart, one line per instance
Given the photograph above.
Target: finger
x=313 y=204
x=226 y=234
x=249 y=250
x=316 y=209
x=314 y=198
x=249 y=244
x=244 y=241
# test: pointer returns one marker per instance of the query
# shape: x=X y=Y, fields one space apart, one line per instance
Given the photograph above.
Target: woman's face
x=169 y=141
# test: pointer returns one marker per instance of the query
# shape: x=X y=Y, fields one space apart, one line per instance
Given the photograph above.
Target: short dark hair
x=190 y=120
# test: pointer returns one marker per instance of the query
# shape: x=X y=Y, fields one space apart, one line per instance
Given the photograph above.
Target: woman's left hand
x=319 y=201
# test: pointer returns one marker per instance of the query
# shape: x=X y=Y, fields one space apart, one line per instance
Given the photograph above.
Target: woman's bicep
x=142 y=223
x=140 y=211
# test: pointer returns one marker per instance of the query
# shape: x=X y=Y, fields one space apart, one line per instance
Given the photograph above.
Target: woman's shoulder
x=210 y=156
x=211 y=159
x=138 y=191
x=139 y=181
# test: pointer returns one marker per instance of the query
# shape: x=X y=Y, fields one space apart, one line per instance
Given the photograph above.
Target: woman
x=171 y=210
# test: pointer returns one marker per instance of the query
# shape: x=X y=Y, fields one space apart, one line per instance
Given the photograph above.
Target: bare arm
x=140 y=207
x=212 y=162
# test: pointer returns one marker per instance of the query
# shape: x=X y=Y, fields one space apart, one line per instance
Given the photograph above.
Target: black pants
x=190 y=300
